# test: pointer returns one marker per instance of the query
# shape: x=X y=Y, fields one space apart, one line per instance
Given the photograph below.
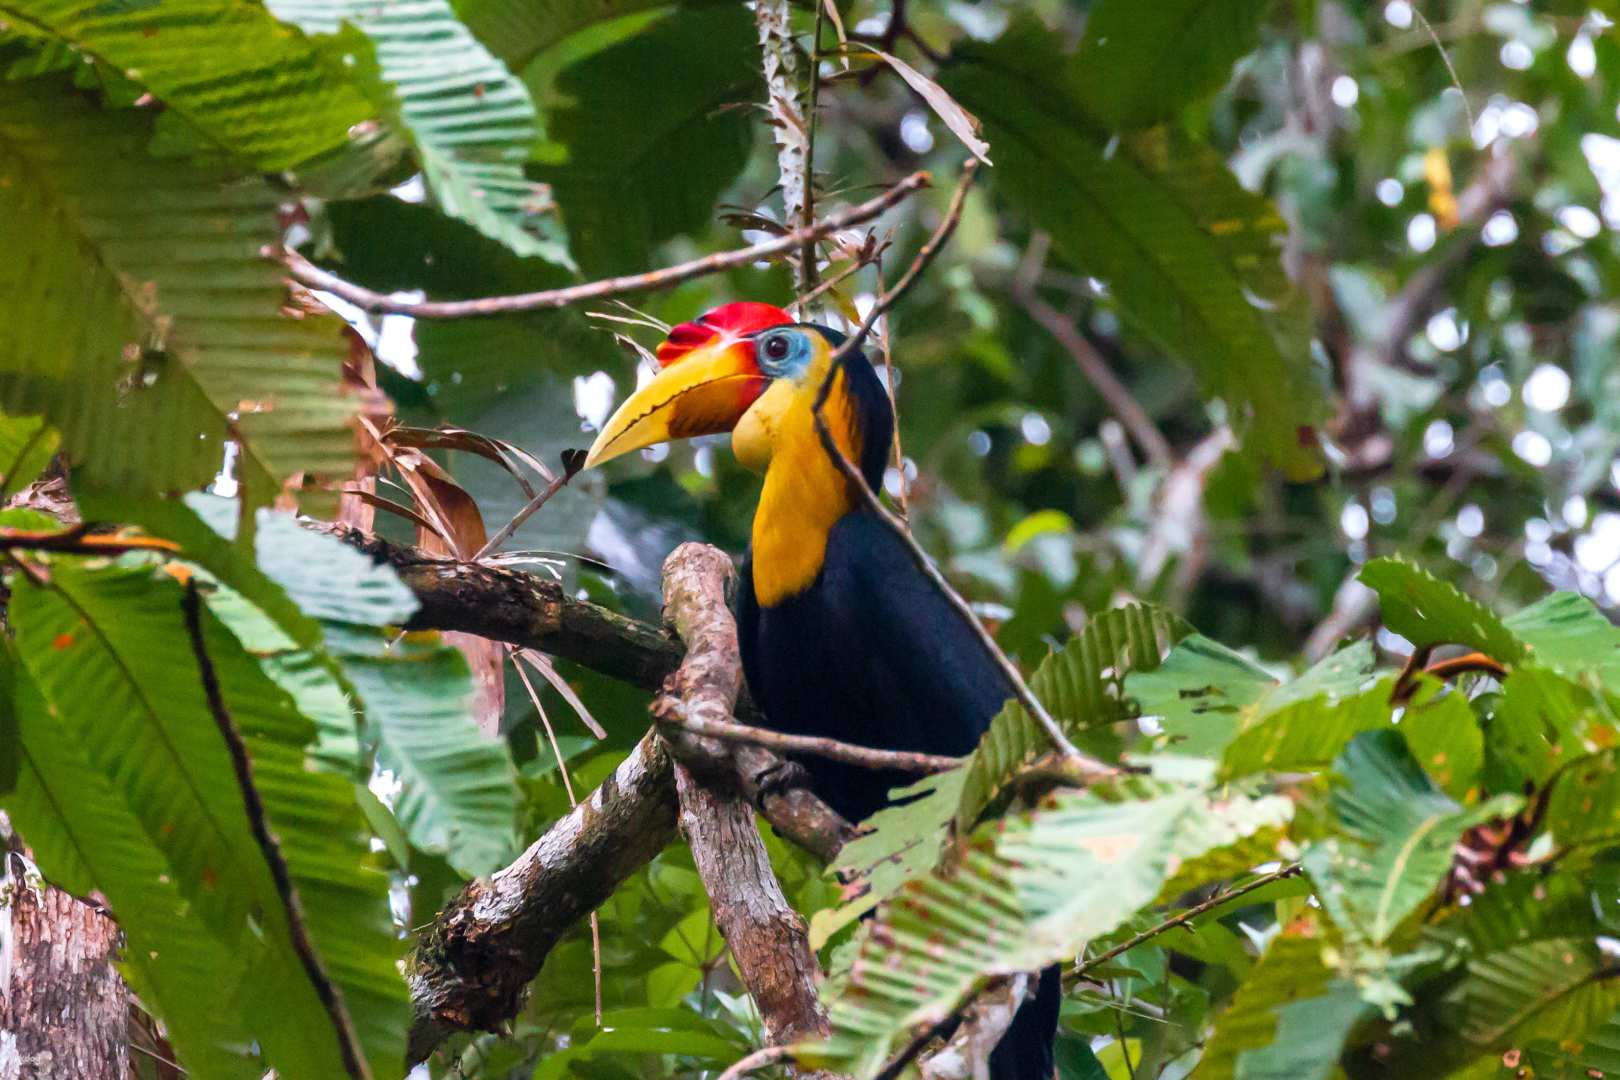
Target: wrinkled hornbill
x=841 y=634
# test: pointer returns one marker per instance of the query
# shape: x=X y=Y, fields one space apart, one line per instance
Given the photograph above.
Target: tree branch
x=471 y=966
x=767 y=938
x=307 y=273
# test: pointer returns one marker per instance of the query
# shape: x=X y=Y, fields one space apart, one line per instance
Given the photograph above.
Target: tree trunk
x=64 y=1010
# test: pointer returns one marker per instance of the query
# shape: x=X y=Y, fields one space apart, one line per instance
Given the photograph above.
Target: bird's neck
x=805 y=494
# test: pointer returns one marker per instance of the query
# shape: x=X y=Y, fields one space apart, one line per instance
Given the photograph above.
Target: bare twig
x=1114 y=393
x=766 y=1055
x=852 y=473
x=354 y=1060
x=674 y=713
x=516 y=657
x=779 y=64
x=376 y=303
x=572 y=461
x=1184 y=916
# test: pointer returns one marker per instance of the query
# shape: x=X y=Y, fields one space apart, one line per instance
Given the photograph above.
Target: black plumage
x=872 y=653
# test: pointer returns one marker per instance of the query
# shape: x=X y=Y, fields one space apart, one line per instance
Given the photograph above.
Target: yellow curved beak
x=703 y=393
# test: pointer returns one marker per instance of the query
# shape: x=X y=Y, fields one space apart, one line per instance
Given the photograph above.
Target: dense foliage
x=1265 y=401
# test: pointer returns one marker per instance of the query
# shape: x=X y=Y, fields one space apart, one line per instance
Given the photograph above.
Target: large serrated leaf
x=1427 y=611
x=1288 y=1019
x=264 y=96
x=650 y=140
x=470 y=120
x=1028 y=891
x=111 y=654
x=1396 y=834
x=87 y=838
x=1141 y=63
x=1189 y=257
x=1080 y=685
x=175 y=338
x=1568 y=634
x=456 y=795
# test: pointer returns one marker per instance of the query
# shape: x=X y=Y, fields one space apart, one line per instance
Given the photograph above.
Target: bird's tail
x=1025 y=1051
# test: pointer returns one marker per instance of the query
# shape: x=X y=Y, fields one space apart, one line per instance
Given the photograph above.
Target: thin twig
x=572 y=461
x=513 y=655
x=1184 y=916
x=768 y=1055
x=669 y=711
x=852 y=473
x=375 y=303
x=1445 y=58
x=807 y=254
x=354 y=1061
x=900 y=495
x=1114 y=392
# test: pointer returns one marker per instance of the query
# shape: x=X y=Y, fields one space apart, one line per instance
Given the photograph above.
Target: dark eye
x=776 y=348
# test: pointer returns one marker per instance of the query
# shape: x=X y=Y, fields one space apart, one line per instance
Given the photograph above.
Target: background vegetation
x=1272 y=362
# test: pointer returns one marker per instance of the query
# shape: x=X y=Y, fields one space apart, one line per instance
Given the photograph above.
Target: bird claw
x=779 y=779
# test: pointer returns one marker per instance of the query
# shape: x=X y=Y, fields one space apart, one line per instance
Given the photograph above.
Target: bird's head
x=746 y=368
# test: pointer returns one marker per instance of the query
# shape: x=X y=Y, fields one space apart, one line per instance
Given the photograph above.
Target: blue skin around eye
x=794 y=363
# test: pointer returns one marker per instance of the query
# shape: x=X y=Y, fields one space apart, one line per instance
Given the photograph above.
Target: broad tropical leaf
x=265 y=97
x=1080 y=685
x=1141 y=63
x=1567 y=633
x=27 y=444
x=469 y=119
x=518 y=31
x=111 y=655
x=1289 y=1018
x=1028 y=891
x=176 y=339
x=1187 y=254
x=1427 y=611
x=87 y=838
x=456 y=795
x=649 y=142
x=1396 y=834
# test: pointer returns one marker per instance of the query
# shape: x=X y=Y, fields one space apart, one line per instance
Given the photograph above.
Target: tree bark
x=64 y=1010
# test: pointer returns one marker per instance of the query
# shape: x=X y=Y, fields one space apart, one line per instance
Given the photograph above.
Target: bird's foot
x=779 y=779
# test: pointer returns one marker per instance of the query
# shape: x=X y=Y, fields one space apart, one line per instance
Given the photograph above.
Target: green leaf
x=1427 y=611
x=1079 y=685
x=1583 y=810
x=87 y=838
x=1140 y=64
x=1568 y=634
x=173 y=339
x=457 y=796
x=519 y=30
x=469 y=119
x=1289 y=1018
x=1205 y=695
x=1028 y=890
x=1537 y=722
x=270 y=98
x=648 y=144
x=1189 y=257
x=1397 y=835
x=903 y=841
x=27 y=444
x=113 y=658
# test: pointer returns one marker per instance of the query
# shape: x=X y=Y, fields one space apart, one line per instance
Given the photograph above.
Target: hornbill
x=841 y=634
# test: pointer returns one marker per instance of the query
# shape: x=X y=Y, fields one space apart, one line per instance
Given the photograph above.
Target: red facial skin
x=734 y=321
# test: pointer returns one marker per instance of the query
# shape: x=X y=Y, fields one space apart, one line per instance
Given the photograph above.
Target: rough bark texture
x=525 y=610
x=472 y=965
x=767 y=938
x=64 y=1011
